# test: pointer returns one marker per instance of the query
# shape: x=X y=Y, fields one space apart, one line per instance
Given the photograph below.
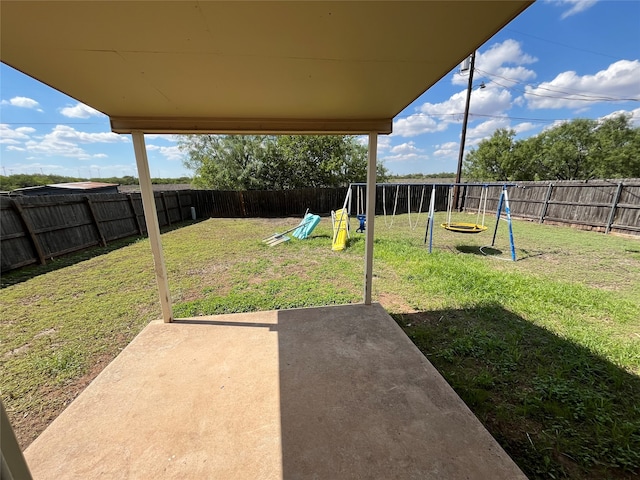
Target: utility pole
x=456 y=189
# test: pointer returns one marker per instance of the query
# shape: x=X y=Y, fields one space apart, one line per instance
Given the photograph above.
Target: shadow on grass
x=23 y=274
x=559 y=410
x=488 y=251
x=482 y=251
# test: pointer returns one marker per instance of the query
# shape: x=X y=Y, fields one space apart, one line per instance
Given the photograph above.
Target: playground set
x=340 y=218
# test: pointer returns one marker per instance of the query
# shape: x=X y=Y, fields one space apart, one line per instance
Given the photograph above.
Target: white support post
x=153 y=227
x=371 y=213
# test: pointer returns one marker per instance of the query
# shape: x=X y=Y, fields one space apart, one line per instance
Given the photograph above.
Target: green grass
x=545 y=350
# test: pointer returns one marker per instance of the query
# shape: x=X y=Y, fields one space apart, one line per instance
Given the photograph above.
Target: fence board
x=23 y=249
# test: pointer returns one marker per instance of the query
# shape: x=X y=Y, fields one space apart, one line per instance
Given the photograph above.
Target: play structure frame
x=457 y=227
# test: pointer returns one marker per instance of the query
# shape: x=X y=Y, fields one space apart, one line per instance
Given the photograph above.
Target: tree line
x=581 y=149
x=270 y=162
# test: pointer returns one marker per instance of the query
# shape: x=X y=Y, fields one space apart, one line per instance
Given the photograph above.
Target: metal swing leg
x=429 y=230
x=504 y=200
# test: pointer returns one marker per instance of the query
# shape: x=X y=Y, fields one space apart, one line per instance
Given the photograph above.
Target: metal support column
x=371 y=213
x=153 y=228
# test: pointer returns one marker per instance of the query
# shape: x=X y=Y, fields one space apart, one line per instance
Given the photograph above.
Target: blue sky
x=557 y=61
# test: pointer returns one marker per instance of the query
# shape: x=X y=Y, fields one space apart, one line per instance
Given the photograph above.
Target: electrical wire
x=572 y=95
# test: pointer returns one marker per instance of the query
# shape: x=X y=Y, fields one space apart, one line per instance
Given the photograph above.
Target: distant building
x=73 y=188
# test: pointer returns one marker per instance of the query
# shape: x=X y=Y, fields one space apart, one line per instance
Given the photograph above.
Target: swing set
x=360 y=210
x=457 y=227
x=464 y=227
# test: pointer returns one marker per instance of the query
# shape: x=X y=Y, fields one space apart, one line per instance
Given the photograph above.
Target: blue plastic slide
x=306 y=226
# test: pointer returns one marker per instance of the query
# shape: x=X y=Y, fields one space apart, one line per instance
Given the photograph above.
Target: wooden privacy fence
x=36 y=229
x=267 y=203
x=604 y=206
x=279 y=203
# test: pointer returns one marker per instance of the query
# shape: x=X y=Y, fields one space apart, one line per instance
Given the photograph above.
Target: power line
x=542 y=120
x=563 y=44
x=572 y=95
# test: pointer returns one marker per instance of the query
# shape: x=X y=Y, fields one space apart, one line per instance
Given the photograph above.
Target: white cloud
x=523 y=127
x=485 y=130
x=16 y=149
x=170 y=153
x=436 y=117
x=109 y=170
x=416 y=124
x=80 y=110
x=23 y=102
x=63 y=141
x=449 y=149
x=484 y=101
x=64 y=132
x=633 y=114
x=555 y=124
x=504 y=59
x=405 y=152
x=13 y=136
x=35 y=167
x=575 y=6
x=570 y=90
x=384 y=142
x=405 y=149
x=405 y=157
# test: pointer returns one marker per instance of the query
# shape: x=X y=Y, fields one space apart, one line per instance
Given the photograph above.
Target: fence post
x=135 y=215
x=94 y=217
x=164 y=207
x=614 y=205
x=546 y=203
x=32 y=234
x=244 y=209
x=179 y=205
x=463 y=203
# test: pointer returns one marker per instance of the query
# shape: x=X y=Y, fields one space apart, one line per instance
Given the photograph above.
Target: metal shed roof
x=189 y=66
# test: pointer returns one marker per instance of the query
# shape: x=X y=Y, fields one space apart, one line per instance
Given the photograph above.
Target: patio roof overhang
x=231 y=67
x=246 y=67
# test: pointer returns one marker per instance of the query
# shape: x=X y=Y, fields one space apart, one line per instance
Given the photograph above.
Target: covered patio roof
x=194 y=66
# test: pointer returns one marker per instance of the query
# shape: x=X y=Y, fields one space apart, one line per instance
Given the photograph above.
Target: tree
x=617 y=152
x=581 y=149
x=224 y=162
x=493 y=159
x=567 y=151
x=240 y=162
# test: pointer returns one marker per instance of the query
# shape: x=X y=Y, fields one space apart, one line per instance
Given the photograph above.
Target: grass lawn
x=545 y=350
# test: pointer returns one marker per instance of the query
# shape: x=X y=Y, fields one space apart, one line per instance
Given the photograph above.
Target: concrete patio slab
x=319 y=393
